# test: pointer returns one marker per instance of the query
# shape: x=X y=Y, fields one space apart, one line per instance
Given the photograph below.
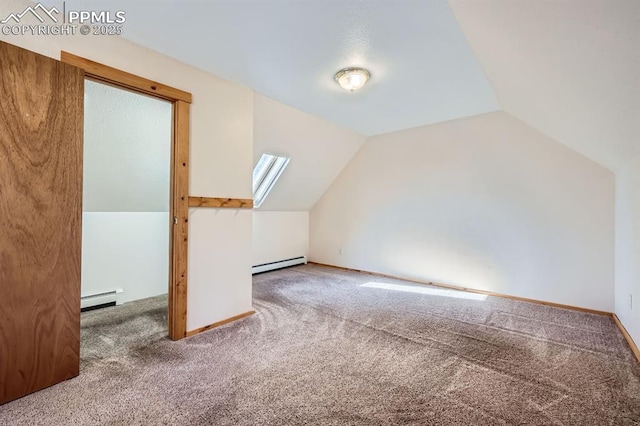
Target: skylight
x=265 y=175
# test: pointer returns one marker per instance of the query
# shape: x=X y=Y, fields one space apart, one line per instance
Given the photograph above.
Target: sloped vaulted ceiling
x=570 y=68
x=423 y=70
x=319 y=150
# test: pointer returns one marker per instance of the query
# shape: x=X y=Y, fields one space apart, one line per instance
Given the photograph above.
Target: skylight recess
x=265 y=175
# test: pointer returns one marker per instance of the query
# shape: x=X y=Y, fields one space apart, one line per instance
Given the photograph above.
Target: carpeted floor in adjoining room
x=333 y=347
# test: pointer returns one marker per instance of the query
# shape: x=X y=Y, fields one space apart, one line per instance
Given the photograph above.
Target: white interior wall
x=221 y=152
x=126 y=171
x=220 y=252
x=126 y=251
x=319 y=150
x=485 y=202
x=127 y=151
x=279 y=236
x=628 y=247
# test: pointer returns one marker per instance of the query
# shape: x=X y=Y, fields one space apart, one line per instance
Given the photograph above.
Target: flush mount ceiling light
x=352 y=79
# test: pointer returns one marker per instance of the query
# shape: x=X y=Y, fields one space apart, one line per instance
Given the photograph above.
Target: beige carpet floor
x=332 y=347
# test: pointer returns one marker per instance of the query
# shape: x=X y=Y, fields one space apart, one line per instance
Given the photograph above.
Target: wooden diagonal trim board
x=221 y=203
x=219 y=323
x=99 y=71
x=627 y=336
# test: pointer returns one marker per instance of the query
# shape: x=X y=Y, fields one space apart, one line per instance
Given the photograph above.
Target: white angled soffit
x=319 y=151
x=568 y=68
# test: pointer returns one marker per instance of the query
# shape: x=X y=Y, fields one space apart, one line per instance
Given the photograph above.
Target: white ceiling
x=569 y=68
x=423 y=70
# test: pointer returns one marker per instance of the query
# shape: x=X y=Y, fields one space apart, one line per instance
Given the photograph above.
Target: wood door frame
x=179 y=197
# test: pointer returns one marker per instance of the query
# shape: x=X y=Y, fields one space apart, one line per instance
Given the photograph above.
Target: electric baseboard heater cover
x=302 y=260
x=97 y=299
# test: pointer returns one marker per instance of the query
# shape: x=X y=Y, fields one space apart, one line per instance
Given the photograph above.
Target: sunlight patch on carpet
x=425 y=290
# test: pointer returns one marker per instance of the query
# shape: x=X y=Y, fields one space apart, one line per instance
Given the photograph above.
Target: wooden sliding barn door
x=41 y=124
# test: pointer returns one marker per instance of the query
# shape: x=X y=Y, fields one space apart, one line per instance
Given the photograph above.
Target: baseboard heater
x=99 y=300
x=302 y=260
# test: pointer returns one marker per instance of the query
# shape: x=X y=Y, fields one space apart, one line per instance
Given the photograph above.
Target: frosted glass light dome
x=352 y=79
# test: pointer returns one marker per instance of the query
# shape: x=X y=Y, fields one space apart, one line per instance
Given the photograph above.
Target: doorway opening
x=125 y=218
x=135 y=193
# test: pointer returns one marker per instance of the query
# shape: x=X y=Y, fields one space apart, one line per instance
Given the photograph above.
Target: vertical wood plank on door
x=41 y=126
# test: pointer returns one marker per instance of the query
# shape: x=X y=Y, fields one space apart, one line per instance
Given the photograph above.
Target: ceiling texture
x=569 y=68
x=422 y=69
